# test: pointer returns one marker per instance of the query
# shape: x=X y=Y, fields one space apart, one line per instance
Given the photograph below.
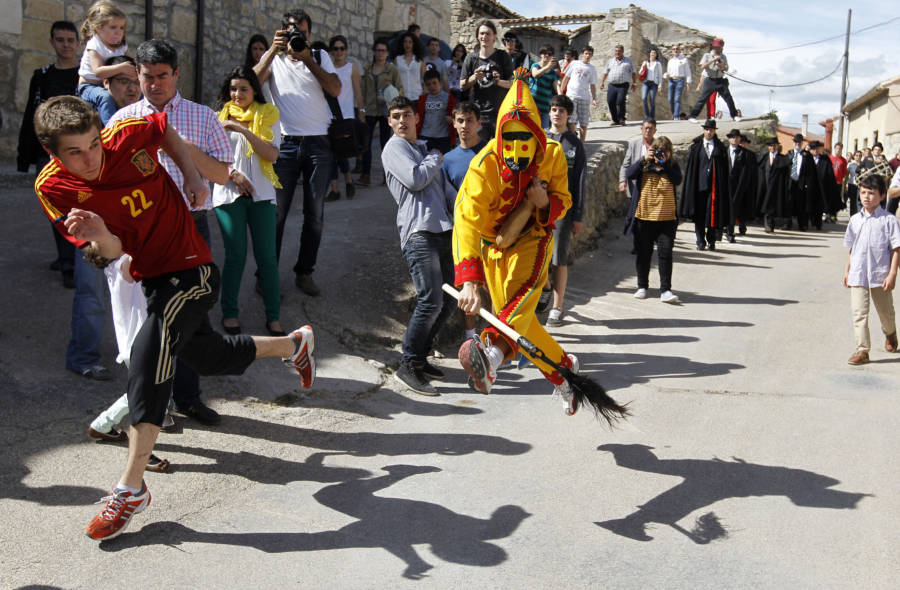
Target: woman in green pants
x=248 y=199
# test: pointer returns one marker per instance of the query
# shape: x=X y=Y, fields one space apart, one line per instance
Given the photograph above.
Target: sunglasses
x=339 y=48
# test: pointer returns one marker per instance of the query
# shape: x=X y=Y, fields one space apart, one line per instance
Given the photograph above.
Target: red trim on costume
x=556 y=209
x=469 y=269
x=712 y=192
x=530 y=283
x=496 y=334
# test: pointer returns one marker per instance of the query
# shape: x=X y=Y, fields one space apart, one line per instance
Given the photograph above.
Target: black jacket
x=740 y=174
x=46 y=82
x=771 y=192
x=713 y=204
x=635 y=175
x=828 y=186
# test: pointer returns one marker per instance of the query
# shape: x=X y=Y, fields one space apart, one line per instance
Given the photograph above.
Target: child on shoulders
x=104 y=35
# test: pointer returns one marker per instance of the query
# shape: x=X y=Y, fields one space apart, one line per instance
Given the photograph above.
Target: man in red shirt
x=106 y=191
x=839 y=164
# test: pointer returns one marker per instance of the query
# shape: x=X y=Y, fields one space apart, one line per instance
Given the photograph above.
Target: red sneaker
x=303 y=359
x=473 y=359
x=115 y=516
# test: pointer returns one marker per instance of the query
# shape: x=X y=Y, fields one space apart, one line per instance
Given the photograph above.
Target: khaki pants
x=859 y=305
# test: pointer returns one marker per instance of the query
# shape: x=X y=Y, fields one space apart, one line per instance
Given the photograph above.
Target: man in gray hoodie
x=425 y=221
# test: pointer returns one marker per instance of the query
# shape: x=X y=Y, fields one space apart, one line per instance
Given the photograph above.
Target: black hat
x=815 y=144
x=734 y=133
x=798 y=138
x=510 y=36
x=709 y=124
x=772 y=141
x=744 y=138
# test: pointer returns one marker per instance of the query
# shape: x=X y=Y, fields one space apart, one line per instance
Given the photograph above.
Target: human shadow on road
x=709 y=481
x=56 y=495
x=393 y=524
x=619 y=339
x=621 y=370
x=684 y=258
x=261 y=468
x=654 y=323
x=370 y=444
x=382 y=403
x=691 y=297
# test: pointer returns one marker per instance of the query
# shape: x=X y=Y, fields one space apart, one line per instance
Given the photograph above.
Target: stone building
x=395 y=15
x=225 y=26
x=633 y=27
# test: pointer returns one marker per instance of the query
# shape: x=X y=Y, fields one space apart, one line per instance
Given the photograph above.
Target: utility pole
x=844 y=79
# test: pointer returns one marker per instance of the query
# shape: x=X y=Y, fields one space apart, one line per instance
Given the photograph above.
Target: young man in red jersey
x=106 y=191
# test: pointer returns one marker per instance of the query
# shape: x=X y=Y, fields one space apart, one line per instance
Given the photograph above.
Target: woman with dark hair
x=255 y=48
x=487 y=72
x=454 y=68
x=378 y=76
x=409 y=57
x=247 y=200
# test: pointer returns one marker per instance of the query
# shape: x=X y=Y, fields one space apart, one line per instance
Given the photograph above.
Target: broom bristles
x=586 y=391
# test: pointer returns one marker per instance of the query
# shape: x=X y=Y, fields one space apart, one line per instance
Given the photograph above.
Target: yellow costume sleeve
x=475 y=215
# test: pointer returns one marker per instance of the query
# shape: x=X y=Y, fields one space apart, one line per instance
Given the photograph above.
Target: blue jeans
x=648 y=97
x=430 y=261
x=100 y=99
x=615 y=100
x=88 y=315
x=310 y=157
x=676 y=89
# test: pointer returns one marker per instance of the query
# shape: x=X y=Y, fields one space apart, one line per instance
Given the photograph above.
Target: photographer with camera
x=714 y=64
x=651 y=217
x=298 y=79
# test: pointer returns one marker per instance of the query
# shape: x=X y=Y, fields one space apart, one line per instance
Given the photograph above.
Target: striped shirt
x=195 y=123
x=543 y=88
x=657 y=198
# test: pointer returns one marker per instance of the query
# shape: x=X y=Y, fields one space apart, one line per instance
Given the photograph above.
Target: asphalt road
x=756 y=457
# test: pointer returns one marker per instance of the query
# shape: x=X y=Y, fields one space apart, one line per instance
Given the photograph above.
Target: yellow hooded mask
x=495 y=183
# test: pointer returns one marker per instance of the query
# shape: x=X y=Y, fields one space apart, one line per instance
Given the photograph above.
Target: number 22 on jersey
x=137 y=202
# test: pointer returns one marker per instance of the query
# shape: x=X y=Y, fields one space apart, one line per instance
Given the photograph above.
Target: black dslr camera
x=296 y=39
x=660 y=155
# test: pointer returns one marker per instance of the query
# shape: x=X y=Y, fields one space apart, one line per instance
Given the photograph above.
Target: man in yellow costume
x=515 y=191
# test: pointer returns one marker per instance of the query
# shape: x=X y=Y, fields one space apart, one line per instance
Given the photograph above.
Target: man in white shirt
x=297 y=78
x=714 y=64
x=678 y=73
x=580 y=83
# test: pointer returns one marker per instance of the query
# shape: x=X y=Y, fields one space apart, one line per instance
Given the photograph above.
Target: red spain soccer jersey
x=135 y=197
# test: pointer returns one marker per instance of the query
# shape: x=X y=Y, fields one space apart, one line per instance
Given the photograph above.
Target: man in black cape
x=803 y=189
x=739 y=174
x=704 y=196
x=771 y=193
x=750 y=210
x=828 y=186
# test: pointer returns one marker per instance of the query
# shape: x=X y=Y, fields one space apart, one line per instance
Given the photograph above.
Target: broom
x=584 y=389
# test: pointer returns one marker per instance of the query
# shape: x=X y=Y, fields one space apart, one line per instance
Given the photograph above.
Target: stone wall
x=432 y=17
x=228 y=26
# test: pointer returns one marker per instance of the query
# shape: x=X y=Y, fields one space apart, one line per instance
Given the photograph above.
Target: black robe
x=712 y=204
x=739 y=175
x=810 y=201
x=828 y=186
x=750 y=209
x=772 y=191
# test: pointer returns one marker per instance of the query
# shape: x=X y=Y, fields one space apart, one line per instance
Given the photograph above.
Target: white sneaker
x=554 y=320
x=564 y=391
x=669 y=297
x=738 y=119
x=693 y=120
x=640 y=294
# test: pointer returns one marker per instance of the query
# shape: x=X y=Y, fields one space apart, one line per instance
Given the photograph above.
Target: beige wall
x=881 y=116
x=433 y=17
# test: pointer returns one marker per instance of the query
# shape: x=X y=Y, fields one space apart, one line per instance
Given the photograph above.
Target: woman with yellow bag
x=248 y=198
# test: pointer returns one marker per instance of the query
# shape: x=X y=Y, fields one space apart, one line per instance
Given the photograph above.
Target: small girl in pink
x=104 y=35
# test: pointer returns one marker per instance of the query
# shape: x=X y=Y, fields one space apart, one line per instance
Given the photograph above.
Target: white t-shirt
x=581 y=76
x=224 y=194
x=299 y=96
x=345 y=98
x=129 y=307
x=95 y=44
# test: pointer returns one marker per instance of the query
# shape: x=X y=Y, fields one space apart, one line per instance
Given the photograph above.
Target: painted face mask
x=519 y=146
x=520 y=142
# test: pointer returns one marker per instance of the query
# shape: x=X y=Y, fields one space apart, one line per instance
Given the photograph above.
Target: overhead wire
x=841 y=36
x=830 y=74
